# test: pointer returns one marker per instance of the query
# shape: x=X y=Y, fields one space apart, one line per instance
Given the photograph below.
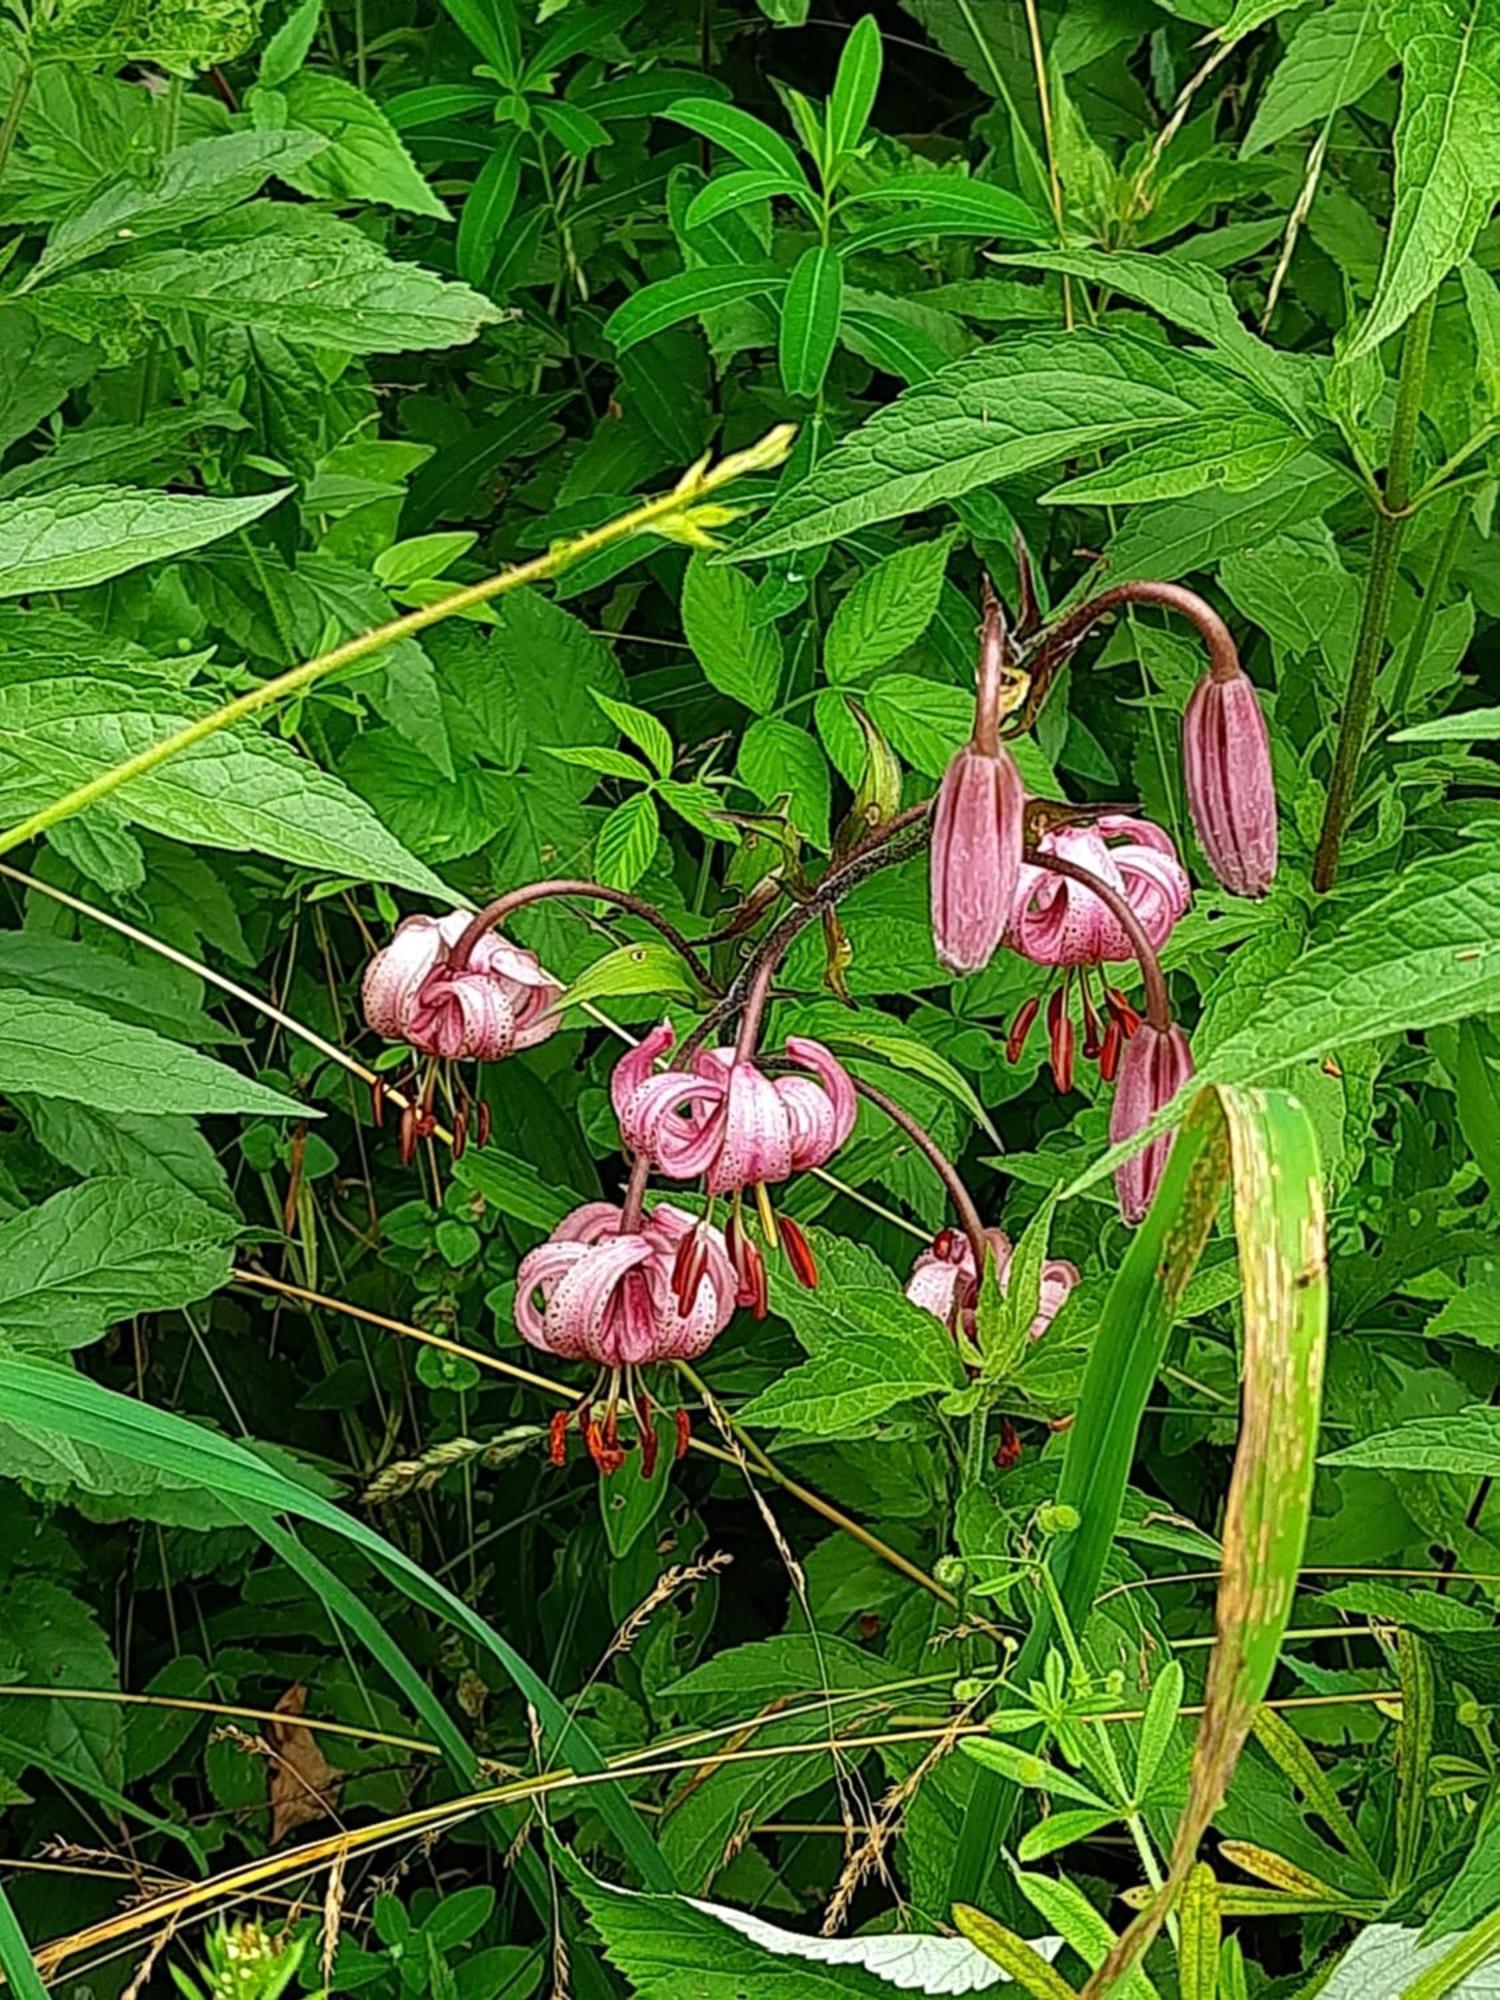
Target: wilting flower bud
x=1155 y=1065
x=1226 y=758
x=977 y=827
x=945 y=1282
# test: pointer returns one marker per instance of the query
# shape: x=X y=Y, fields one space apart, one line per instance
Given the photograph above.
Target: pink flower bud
x=1155 y=1065
x=1232 y=797
x=976 y=856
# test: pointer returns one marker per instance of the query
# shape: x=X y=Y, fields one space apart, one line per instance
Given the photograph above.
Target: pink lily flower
x=501 y=1002
x=1157 y=1063
x=1226 y=759
x=944 y=1282
x=1056 y=921
x=726 y=1119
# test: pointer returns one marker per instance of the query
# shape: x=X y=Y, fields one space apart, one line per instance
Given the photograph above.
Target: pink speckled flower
x=945 y=1283
x=1156 y=1064
x=728 y=1120
x=499 y=1003
x=1226 y=762
x=1056 y=921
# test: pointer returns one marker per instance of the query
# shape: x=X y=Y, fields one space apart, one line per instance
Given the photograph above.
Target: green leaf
x=854 y=87
x=740 y=657
x=240 y=789
x=363 y=159
x=1467 y=1442
x=1330 y=60
x=948 y=203
x=330 y=288
x=669 y=301
x=643 y=728
x=1447 y=153
x=886 y=610
x=810 y=320
x=1168 y=541
x=494 y=27
x=287 y=50
x=95 y=1254
x=1232 y=453
x=1014 y=405
x=1158 y=1725
x=487 y=207
x=625 y=845
x=87 y=534
x=167 y=33
x=1464 y=725
x=648 y=967
x=58 y=1049
x=1035 y=1773
x=882 y=1352
x=115 y=452
x=189 y=185
x=779 y=760
x=1019 y=1958
x=16 y=1960
x=751 y=141
x=726 y=193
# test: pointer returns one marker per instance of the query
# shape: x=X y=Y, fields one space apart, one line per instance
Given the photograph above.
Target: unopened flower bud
x=1155 y=1065
x=950 y=1571
x=1057 y=1520
x=976 y=855
x=1226 y=758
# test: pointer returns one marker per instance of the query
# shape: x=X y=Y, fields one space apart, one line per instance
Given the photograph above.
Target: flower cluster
x=1071 y=889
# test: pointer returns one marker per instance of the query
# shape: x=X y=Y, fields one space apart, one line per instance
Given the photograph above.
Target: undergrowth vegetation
x=749 y=998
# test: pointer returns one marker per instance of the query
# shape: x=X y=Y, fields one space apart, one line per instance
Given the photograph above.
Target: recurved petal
x=755 y=1143
x=396 y=972
x=843 y=1105
x=540 y=1270
x=580 y=1304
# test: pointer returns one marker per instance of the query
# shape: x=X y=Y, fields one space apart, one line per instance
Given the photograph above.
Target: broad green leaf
x=101 y=453
x=1464 y=725
x=1062 y=1829
x=750 y=140
x=642 y=728
x=190 y=185
x=38 y=368
x=149 y=991
x=779 y=760
x=324 y=289
x=740 y=657
x=648 y=967
x=56 y=1048
x=886 y=610
x=854 y=87
x=97 y=1253
x=513 y=1187
x=1477 y=1100
x=1386 y=1959
x=810 y=319
x=494 y=27
x=1170 y=540
x=1447 y=153
x=167 y=33
x=625 y=844
x=671 y=300
x=87 y=534
x=1014 y=405
x=1482 y=296
x=240 y=789
x=287 y=50
x=1474 y=1890
x=1331 y=59
x=152 y=1150
x=1466 y=1442
x=1157 y=1725
x=1230 y=453
x=363 y=158
x=886 y=1352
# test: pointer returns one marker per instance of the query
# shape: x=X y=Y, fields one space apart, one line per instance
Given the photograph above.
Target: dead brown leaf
x=304 y=1785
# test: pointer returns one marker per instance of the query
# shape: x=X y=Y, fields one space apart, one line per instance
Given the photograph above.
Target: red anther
x=482 y=1123
x=1008 y=1451
x=1020 y=1028
x=1109 y=1054
x=684 y=1431
x=688 y=1267
x=1093 y=1041
x=1060 y=1032
x=1122 y=1011
x=798 y=1253
x=1060 y=1424
x=377 y=1099
x=604 y=1448
x=649 y=1446
x=557 y=1438
x=408 y=1134
x=752 y=1291
x=460 y=1131
x=944 y=1244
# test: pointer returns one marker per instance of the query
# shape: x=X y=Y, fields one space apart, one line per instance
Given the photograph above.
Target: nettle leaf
x=1331 y=59
x=886 y=610
x=362 y=157
x=1005 y=409
x=1447 y=153
x=1231 y=453
x=1466 y=1442
x=56 y=1048
x=779 y=760
x=97 y=1253
x=872 y=1350
x=239 y=789
x=740 y=657
x=87 y=534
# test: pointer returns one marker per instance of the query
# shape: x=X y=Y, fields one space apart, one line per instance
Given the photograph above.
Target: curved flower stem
x=884 y=849
x=1158 y=1007
x=1055 y=646
x=635 y=1194
x=495 y=913
x=947 y=1173
x=994 y=649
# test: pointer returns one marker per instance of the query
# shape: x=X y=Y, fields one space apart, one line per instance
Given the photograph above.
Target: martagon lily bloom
x=945 y=1282
x=501 y=1002
x=1226 y=760
x=1157 y=1063
x=1059 y=922
x=614 y=1294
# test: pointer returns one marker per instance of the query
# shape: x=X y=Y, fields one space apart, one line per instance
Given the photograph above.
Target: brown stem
x=1158 y=1007
x=536 y=892
x=635 y=1194
x=883 y=849
x=1055 y=646
x=947 y=1173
